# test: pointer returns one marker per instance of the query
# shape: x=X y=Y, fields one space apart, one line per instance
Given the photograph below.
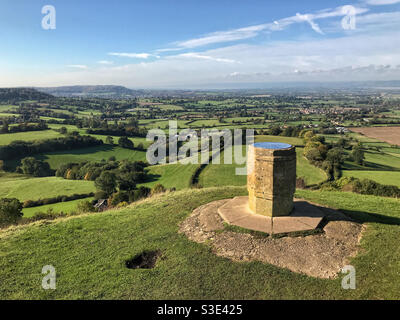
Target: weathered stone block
x=271 y=178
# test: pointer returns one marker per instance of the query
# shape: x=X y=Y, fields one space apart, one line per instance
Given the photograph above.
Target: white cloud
x=204 y=57
x=223 y=36
x=132 y=55
x=307 y=18
x=381 y=2
x=105 y=62
x=253 y=31
x=77 y=66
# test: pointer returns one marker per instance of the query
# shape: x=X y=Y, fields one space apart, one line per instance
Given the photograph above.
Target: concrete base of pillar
x=303 y=217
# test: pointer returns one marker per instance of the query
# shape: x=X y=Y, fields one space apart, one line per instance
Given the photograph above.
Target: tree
x=4 y=128
x=124 y=142
x=36 y=168
x=140 y=146
x=110 y=140
x=358 y=155
x=127 y=181
x=335 y=156
x=106 y=182
x=63 y=130
x=10 y=211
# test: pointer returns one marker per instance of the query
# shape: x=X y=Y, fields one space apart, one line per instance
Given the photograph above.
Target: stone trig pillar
x=271 y=178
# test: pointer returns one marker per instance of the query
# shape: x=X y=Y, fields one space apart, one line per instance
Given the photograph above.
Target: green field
x=25 y=188
x=89 y=254
x=66 y=207
x=70 y=128
x=384 y=177
x=171 y=175
x=7 y=138
x=55 y=159
x=293 y=141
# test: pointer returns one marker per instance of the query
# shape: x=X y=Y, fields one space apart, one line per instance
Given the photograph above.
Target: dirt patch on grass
x=320 y=255
x=387 y=134
x=145 y=260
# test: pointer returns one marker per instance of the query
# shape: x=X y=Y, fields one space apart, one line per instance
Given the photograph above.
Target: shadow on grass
x=305 y=209
x=365 y=217
x=368 y=166
x=152 y=177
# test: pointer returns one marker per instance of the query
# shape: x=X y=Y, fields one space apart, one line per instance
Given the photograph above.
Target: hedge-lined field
x=26 y=188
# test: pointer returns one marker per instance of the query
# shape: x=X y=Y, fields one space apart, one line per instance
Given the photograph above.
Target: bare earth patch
x=390 y=135
x=321 y=255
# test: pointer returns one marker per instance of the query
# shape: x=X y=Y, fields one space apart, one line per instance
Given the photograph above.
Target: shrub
x=10 y=211
x=85 y=206
x=158 y=188
x=142 y=192
x=122 y=204
x=365 y=186
x=300 y=183
x=124 y=142
x=121 y=196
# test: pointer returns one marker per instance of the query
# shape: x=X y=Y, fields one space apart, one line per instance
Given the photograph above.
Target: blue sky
x=188 y=43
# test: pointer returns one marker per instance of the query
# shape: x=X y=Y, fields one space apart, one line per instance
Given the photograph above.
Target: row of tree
x=23 y=127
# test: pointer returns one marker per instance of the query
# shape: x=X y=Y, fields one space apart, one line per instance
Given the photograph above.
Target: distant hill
x=22 y=94
x=108 y=91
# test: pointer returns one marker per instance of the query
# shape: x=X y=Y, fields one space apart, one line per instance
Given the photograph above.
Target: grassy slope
x=88 y=253
x=171 y=175
x=66 y=207
x=25 y=188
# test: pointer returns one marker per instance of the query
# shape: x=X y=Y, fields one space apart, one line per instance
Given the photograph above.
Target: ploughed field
x=390 y=135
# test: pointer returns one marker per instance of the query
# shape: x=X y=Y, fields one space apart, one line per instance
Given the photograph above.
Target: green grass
x=171 y=175
x=289 y=140
x=374 y=160
x=7 y=138
x=55 y=159
x=25 y=188
x=383 y=177
x=310 y=173
x=7 y=115
x=70 y=128
x=7 y=107
x=66 y=207
x=89 y=254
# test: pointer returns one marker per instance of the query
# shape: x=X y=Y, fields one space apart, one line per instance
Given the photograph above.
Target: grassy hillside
x=89 y=254
x=171 y=175
x=25 y=188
